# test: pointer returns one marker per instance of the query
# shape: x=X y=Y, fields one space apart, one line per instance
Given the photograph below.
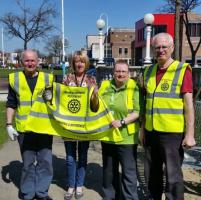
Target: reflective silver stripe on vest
x=66 y=117
x=101 y=114
x=165 y=111
x=40 y=99
x=47 y=79
x=58 y=97
x=176 y=77
x=16 y=82
x=41 y=115
x=25 y=103
x=148 y=74
x=21 y=117
x=76 y=118
x=165 y=95
x=95 y=131
x=87 y=109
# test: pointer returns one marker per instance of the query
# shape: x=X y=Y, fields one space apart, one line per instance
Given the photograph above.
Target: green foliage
x=3 y=134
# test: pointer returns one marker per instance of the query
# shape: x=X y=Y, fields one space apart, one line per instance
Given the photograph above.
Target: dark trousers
x=113 y=186
x=76 y=171
x=164 y=156
x=37 y=170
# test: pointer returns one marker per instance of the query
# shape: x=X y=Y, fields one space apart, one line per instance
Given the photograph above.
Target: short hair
x=82 y=56
x=28 y=51
x=164 y=35
x=121 y=61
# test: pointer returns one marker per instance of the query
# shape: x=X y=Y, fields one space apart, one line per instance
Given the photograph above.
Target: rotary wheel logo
x=164 y=86
x=74 y=106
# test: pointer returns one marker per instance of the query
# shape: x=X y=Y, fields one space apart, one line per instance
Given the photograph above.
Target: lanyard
x=76 y=82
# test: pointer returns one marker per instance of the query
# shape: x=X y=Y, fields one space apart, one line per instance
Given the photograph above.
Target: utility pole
x=2 y=43
x=62 y=30
x=177 y=29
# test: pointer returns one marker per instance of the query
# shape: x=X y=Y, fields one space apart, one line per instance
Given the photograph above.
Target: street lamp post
x=148 y=20
x=62 y=31
x=100 y=23
x=107 y=26
x=2 y=43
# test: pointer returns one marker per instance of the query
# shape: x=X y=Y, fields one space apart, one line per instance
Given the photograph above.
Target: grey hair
x=164 y=35
x=30 y=51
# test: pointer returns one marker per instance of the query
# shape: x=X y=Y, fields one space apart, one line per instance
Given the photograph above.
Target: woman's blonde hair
x=81 y=55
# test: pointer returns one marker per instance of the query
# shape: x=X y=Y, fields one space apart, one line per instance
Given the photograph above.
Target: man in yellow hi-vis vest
x=36 y=149
x=169 y=120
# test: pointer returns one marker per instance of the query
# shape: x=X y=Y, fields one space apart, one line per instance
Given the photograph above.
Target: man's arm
x=10 y=112
x=189 y=139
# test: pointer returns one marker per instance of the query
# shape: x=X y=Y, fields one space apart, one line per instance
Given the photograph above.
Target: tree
x=30 y=24
x=187 y=6
x=54 y=46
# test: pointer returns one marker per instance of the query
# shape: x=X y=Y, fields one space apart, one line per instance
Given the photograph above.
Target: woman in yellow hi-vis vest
x=122 y=97
x=76 y=173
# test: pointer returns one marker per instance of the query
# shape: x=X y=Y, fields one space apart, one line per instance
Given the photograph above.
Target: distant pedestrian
x=36 y=149
x=169 y=120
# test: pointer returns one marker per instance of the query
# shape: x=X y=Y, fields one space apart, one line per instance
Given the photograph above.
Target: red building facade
x=162 y=23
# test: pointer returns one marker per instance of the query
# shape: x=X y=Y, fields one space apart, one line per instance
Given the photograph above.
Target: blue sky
x=81 y=16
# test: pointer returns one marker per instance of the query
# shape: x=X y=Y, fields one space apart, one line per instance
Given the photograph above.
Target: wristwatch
x=122 y=121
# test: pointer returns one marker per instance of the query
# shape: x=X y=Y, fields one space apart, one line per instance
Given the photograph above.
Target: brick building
x=118 y=44
x=121 y=43
x=165 y=23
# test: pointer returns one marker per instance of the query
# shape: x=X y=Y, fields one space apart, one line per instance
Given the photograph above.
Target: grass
x=3 y=134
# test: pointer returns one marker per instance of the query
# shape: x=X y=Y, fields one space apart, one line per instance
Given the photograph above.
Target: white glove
x=12 y=132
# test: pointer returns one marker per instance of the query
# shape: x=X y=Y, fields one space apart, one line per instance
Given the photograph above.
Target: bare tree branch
x=187 y=6
x=30 y=24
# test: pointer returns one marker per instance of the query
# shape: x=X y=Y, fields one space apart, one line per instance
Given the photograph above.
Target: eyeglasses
x=163 y=47
x=120 y=72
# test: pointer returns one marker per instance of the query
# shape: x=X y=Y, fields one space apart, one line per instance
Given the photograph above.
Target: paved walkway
x=10 y=167
x=3 y=95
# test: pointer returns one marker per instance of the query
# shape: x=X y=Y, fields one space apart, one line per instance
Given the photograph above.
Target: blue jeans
x=76 y=171
x=37 y=170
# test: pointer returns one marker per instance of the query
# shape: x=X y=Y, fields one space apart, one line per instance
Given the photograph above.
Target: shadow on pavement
x=12 y=173
x=93 y=179
x=192 y=188
x=59 y=176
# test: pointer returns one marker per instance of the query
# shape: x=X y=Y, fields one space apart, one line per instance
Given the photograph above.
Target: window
x=126 y=51
x=194 y=29
x=120 y=51
x=199 y=62
x=159 y=29
x=140 y=35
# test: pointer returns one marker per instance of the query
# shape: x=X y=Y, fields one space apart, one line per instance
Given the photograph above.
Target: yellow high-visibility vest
x=24 y=95
x=69 y=115
x=164 y=103
x=131 y=84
